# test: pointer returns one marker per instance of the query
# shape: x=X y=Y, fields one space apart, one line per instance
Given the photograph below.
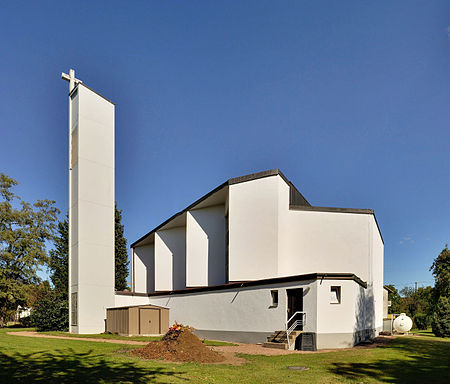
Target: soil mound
x=184 y=347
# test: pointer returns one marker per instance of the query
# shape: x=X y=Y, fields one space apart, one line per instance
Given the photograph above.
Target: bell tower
x=91 y=207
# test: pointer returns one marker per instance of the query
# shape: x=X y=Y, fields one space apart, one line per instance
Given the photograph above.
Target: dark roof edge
x=388 y=289
x=255 y=176
x=135 y=306
x=331 y=209
x=99 y=94
x=180 y=213
x=338 y=210
x=236 y=180
x=254 y=283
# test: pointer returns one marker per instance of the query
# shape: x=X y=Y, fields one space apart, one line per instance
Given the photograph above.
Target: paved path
x=257 y=349
x=112 y=341
x=254 y=349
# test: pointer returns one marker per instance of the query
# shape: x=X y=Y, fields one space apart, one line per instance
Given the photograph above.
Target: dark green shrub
x=50 y=312
x=422 y=321
x=441 y=318
x=25 y=322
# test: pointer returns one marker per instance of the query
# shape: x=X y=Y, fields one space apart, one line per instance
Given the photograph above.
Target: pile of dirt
x=185 y=347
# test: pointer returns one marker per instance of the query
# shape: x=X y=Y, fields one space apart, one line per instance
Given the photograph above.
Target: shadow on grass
x=407 y=361
x=68 y=366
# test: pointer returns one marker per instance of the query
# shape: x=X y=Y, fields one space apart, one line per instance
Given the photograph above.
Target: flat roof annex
x=253 y=283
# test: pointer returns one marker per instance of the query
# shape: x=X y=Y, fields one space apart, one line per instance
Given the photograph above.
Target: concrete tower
x=91 y=207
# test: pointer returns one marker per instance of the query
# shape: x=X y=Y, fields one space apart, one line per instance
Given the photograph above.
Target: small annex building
x=144 y=320
x=253 y=257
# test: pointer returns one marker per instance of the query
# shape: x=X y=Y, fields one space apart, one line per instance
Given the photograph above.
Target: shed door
x=148 y=321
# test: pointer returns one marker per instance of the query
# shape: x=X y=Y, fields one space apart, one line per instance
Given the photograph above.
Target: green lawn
x=406 y=360
x=425 y=332
x=134 y=338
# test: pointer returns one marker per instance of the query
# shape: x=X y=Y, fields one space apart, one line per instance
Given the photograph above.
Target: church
x=250 y=261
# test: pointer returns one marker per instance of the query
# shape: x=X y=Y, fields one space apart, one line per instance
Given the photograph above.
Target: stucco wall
x=377 y=273
x=253 y=229
x=144 y=266
x=205 y=246
x=347 y=323
x=170 y=259
x=326 y=242
x=234 y=310
x=385 y=303
x=91 y=208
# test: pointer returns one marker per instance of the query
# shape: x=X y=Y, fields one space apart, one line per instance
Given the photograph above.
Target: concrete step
x=275 y=345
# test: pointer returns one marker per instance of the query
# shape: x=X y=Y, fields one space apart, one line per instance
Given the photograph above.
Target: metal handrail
x=294 y=325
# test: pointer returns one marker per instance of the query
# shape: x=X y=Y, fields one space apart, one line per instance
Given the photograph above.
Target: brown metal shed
x=137 y=320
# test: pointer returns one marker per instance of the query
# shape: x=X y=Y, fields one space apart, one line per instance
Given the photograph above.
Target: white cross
x=71 y=79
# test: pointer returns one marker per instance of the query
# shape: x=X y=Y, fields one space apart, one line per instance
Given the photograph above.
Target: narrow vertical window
x=74 y=309
x=274 y=298
x=335 y=295
x=74 y=147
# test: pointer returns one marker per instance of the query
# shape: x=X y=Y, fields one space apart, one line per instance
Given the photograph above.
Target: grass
x=104 y=336
x=405 y=360
x=133 y=338
x=423 y=332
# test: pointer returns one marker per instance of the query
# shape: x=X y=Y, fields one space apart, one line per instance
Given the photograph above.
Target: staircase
x=279 y=340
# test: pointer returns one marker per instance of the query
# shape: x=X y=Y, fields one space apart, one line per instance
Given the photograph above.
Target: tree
x=441 y=318
x=415 y=302
x=24 y=230
x=51 y=306
x=50 y=310
x=395 y=299
x=121 y=255
x=441 y=272
x=59 y=260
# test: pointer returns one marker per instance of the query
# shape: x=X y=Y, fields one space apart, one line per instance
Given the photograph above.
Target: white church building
x=247 y=260
x=247 y=257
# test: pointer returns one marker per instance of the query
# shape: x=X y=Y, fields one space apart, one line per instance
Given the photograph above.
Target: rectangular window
x=335 y=295
x=74 y=309
x=274 y=296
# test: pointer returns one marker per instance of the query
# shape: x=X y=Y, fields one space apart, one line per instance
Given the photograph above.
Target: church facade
x=253 y=257
x=249 y=259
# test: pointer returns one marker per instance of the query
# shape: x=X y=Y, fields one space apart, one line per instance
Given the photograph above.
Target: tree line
x=25 y=231
x=427 y=306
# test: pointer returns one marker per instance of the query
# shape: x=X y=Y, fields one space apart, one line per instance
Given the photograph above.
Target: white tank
x=403 y=323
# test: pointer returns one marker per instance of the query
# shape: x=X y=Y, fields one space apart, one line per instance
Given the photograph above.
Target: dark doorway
x=294 y=304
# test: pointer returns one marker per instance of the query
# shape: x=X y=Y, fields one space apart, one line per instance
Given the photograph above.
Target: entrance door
x=294 y=303
x=148 y=321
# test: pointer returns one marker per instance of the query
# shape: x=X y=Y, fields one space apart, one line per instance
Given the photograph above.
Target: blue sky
x=351 y=100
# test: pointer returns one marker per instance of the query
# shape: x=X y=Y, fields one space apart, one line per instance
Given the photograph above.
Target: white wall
x=205 y=246
x=170 y=259
x=144 y=268
x=126 y=300
x=342 y=325
x=284 y=230
x=241 y=309
x=337 y=318
x=253 y=229
x=377 y=274
x=326 y=242
x=91 y=209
